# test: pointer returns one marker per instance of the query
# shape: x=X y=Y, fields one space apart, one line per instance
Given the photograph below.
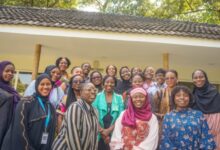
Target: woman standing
x=86 y=67
x=34 y=122
x=184 y=128
x=56 y=93
x=162 y=99
x=80 y=127
x=72 y=96
x=124 y=84
x=111 y=70
x=109 y=106
x=96 y=79
x=135 y=70
x=74 y=91
x=77 y=70
x=8 y=97
x=149 y=78
x=137 y=127
x=162 y=103
x=207 y=100
x=63 y=64
x=136 y=81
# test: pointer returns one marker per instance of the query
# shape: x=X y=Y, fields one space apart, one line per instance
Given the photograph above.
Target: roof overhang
x=132 y=49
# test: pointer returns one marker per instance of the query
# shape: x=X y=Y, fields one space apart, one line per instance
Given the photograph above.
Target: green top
x=117 y=106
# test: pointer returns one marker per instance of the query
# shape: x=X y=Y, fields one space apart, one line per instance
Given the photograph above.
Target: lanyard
x=48 y=114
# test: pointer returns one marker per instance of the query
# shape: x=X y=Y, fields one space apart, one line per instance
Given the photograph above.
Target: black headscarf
x=48 y=71
x=71 y=97
x=38 y=80
x=6 y=85
x=49 y=68
x=122 y=85
x=207 y=98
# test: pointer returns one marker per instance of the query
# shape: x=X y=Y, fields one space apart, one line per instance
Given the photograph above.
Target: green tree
x=20 y=86
x=41 y=3
x=206 y=11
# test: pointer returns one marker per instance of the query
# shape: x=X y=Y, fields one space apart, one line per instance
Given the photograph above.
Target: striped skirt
x=214 y=125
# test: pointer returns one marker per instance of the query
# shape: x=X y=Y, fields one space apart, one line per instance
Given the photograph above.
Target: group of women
x=84 y=110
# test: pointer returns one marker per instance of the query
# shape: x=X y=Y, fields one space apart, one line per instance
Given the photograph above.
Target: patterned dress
x=186 y=130
x=143 y=137
x=162 y=105
x=134 y=136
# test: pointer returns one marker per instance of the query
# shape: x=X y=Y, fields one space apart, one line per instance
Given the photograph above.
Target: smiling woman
x=33 y=125
x=207 y=100
x=8 y=97
x=185 y=128
x=74 y=90
x=136 y=128
x=80 y=127
x=124 y=84
x=56 y=92
x=109 y=105
x=96 y=79
x=44 y=87
x=63 y=64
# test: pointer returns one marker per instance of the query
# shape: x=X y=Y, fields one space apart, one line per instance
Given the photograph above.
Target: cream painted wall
x=186 y=54
x=25 y=63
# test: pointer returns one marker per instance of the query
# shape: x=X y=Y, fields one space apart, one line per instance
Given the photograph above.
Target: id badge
x=44 y=138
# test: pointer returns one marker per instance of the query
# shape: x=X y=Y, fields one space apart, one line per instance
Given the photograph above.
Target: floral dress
x=186 y=130
x=134 y=136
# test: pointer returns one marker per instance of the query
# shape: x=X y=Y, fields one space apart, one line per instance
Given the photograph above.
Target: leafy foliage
x=20 y=87
x=206 y=11
x=41 y=3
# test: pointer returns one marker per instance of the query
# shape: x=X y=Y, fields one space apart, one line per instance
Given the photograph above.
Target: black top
x=107 y=119
x=99 y=88
x=122 y=86
x=207 y=99
x=28 y=125
x=6 y=112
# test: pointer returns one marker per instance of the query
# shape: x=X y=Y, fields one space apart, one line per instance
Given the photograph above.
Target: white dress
x=149 y=143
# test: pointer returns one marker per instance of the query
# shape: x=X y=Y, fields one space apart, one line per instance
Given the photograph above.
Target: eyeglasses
x=64 y=63
x=77 y=81
x=170 y=78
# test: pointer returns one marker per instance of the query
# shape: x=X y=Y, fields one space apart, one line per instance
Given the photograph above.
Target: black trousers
x=102 y=145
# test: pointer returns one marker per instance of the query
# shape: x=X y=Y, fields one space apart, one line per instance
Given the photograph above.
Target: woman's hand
x=105 y=132
x=107 y=140
x=160 y=116
x=213 y=132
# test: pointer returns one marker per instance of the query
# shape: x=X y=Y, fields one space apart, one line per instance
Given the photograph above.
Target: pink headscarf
x=144 y=113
